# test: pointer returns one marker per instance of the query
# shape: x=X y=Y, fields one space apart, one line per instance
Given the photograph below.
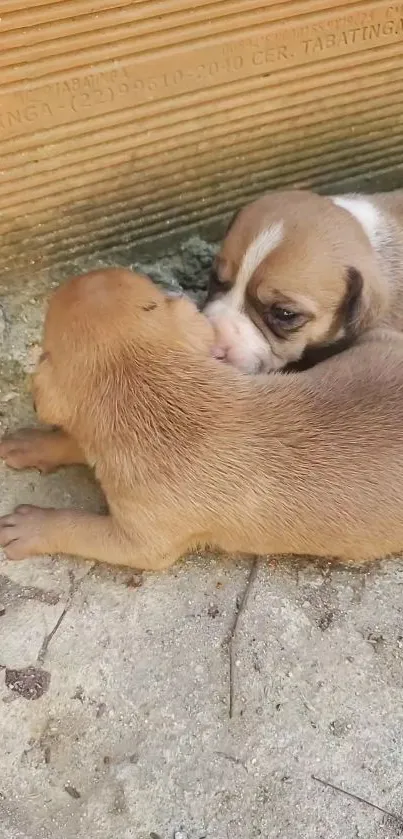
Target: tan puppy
x=190 y=452
x=300 y=276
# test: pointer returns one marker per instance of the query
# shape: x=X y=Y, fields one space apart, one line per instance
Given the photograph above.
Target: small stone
x=79 y=693
x=9 y=396
x=135 y=581
x=72 y=791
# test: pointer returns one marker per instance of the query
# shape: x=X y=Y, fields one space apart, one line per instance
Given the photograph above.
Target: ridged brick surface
x=125 y=121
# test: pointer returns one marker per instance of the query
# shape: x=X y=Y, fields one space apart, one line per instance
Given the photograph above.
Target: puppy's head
x=296 y=272
x=98 y=323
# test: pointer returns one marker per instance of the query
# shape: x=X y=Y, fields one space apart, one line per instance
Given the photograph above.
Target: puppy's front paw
x=28 y=449
x=23 y=533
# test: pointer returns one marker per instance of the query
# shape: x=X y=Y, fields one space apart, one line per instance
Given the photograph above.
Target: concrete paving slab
x=115 y=688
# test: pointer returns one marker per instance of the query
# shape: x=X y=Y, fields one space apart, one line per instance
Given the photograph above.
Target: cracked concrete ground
x=114 y=686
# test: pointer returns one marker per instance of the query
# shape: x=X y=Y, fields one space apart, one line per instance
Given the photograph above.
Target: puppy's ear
x=363 y=304
x=232 y=221
x=352 y=306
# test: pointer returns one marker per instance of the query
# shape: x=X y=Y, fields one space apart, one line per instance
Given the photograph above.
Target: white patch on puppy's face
x=238 y=340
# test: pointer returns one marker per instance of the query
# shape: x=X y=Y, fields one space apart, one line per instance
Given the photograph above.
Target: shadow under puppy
x=300 y=276
x=190 y=452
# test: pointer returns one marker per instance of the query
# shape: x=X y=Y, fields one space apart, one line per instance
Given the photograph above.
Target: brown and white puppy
x=300 y=276
x=191 y=453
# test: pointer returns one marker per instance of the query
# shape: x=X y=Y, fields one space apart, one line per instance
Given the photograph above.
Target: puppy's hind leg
x=31 y=531
x=33 y=448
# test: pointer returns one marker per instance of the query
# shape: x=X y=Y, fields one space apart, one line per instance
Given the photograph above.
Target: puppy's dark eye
x=282 y=315
x=283 y=319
